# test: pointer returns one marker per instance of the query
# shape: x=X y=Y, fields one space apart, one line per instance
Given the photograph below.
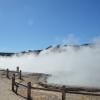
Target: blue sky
x=36 y=24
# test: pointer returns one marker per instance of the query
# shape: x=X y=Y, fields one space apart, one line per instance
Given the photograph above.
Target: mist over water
x=68 y=65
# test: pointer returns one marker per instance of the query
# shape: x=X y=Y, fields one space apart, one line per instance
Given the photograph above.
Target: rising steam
x=68 y=64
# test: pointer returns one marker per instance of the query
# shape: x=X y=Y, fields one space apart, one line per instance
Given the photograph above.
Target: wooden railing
x=63 y=90
x=29 y=87
x=7 y=73
x=47 y=87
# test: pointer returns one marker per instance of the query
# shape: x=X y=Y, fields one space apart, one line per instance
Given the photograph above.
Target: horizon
x=47 y=47
x=36 y=24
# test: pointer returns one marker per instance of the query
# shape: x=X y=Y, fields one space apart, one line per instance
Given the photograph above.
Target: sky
x=36 y=24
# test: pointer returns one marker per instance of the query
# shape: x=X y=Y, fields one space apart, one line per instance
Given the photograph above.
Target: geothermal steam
x=68 y=65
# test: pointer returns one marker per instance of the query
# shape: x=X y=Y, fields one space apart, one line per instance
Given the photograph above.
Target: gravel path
x=5 y=90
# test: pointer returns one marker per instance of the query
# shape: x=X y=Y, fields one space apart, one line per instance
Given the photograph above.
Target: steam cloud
x=70 y=65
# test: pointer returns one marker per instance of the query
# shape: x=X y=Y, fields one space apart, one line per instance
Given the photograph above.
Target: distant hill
x=51 y=48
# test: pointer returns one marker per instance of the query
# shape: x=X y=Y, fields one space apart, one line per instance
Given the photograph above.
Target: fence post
x=16 y=88
x=17 y=69
x=29 y=91
x=63 y=93
x=7 y=74
x=20 y=74
x=13 y=82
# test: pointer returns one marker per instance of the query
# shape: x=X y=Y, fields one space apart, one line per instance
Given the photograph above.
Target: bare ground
x=7 y=94
x=5 y=90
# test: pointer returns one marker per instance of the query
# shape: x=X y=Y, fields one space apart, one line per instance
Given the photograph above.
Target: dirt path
x=5 y=90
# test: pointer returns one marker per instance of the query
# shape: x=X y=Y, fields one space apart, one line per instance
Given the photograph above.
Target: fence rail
x=63 y=90
x=29 y=87
x=7 y=72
